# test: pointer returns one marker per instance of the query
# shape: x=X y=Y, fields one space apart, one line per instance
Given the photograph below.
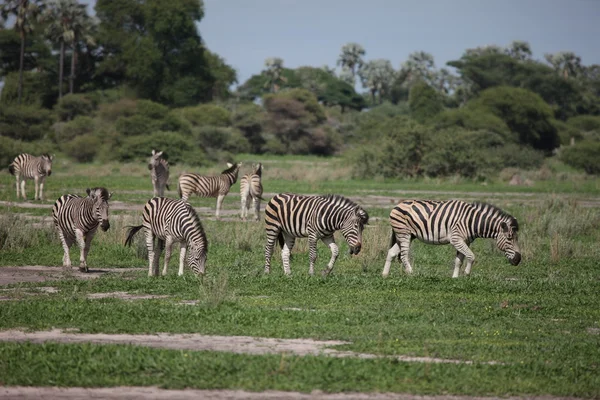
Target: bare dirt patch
x=126 y=296
x=144 y=393
x=40 y=273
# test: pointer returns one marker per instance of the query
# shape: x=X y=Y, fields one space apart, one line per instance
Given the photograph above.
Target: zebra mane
x=498 y=212
x=233 y=168
x=103 y=192
x=197 y=223
x=345 y=202
x=46 y=155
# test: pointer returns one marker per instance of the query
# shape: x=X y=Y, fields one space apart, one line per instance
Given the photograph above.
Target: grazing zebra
x=159 y=173
x=454 y=222
x=25 y=166
x=171 y=221
x=251 y=189
x=290 y=216
x=77 y=219
x=209 y=186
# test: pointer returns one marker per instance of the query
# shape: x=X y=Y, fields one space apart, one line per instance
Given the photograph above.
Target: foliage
x=26 y=123
x=207 y=115
x=424 y=102
x=79 y=126
x=473 y=118
x=37 y=89
x=10 y=148
x=73 y=105
x=213 y=138
x=377 y=76
x=176 y=147
x=585 y=123
x=583 y=155
x=134 y=125
x=150 y=109
x=112 y=111
x=82 y=148
x=249 y=119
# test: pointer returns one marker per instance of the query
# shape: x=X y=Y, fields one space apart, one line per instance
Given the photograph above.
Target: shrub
x=585 y=123
x=83 y=148
x=122 y=108
x=134 y=125
x=173 y=122
x=566 y=132
x=249 y=119
x=65 y=131
x=226 y=139
x=176 y=148
x=10 y=148
x=38 y=89
x=584 y=155
x=473 y=118
x=424 y=102
x=207 y=114
x=25 y=122
x=151 y=109
x=73 y=105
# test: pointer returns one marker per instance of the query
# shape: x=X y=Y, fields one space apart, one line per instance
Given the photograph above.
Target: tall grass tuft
x=19 y=233
x=214 y=290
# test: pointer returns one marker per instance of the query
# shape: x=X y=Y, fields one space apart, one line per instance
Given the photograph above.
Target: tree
x=566 y=63
x=351 y=61
x=273 y=72
x=224 y=75
x=83 y=28
x=424 y=102
x=420 y=66
x=25 y=12
x=519 y=50
x=377 y=76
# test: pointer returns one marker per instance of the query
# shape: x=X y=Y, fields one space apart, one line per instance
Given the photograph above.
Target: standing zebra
x=251 y=189
x=209 y=186
x=454 y=222
x=25 y=166
x=290 y=216
x=159 y=173
x=171 y=221
x=77 y=219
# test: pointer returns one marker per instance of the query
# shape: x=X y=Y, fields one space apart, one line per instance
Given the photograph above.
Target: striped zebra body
x=450 y=222
x=209 y=186
x=170 y=221
x=290 y=216
x=251 y=189
x=77 y=219
x=25 y=166
x=159 y=173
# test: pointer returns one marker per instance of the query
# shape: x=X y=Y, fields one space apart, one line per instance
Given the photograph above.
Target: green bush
x=584 y=155
x=566 y=132
x=424 y=102
x=207 y=115
x=65 y=131
x=474 y=119
x=10 y=148
x=25 y=122
x=176 y=147
x=249 y=119
x=122 y=108
x=225 y=139
x=73 y=105
x=134 y=125
x=151 y=109
x=83 y=148
x=585 y=123
x=173 y=122
x=38 y=89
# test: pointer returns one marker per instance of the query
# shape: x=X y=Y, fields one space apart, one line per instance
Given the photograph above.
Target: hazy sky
x=312 y=32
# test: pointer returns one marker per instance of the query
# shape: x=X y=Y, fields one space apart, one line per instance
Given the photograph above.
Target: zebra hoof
x=83 y=269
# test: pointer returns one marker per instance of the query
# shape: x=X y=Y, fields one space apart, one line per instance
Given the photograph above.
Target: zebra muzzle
x=105 y=225
x=355 y=249
x=516 y=259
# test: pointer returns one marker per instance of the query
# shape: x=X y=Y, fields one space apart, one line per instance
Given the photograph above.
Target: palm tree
x=519 y=50
x=25 y=12
x=377 y=76
x=351 y=61
x=274 y=67
x=419 y=66
x=83 y=28
x=566 y=63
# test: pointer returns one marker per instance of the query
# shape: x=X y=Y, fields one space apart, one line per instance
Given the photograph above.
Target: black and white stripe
x=251 y=189
x=159 y=173
x=77 y=219
x=170 y=221
x=450 y=222
x=290 y=216
x=25 y=166
x=209 y=186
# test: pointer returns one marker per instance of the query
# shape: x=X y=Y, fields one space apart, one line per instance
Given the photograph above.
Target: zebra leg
x=312 y=254
x=286 y=251
x=79 y=236
x=271 y=239
x=404 y=243
x=42 y=180
x=256 y=204
x=462 y=247
x=17 y=177
x=330 y=241
x=160 y=245
x=37 y=187
x=23 y=189
x=457 y=263
x=66 y=244
x=219 y=204
x=88 y=242
x=244 y=200
x=151 y=255
x=392 y=253
x=168 y=246
x=182 y=257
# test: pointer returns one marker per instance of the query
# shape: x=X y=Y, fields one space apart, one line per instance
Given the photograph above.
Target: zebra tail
x=11 y=169
x=132 y=231
x=167 y=186
x=392 y=240
x=179 y=190
x=280 y=239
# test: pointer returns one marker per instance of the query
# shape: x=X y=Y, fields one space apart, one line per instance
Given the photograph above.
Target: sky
x=312 y=32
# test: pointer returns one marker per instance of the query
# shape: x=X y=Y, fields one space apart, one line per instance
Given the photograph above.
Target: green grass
x=539 y=318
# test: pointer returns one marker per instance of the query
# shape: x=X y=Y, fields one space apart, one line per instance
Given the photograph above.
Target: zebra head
x=232 y=171
x=100 y=196
x=46 y=164
x=196 y=258
x=507 y=241
x=352 y=228
x=154 y=160
x=257 y=169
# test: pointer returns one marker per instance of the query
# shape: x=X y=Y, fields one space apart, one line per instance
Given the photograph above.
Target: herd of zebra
x=287 y=216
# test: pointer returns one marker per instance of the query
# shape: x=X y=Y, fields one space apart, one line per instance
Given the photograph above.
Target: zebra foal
x=169 y=221
x=159 y=173
x=25 y=166
x=251 y=189
x=77 y=219
x=209 y=186
x=289 y=216
x=450 y=222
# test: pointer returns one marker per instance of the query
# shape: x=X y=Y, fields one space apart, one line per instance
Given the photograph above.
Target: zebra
x=289 y=216
x=209 y=186
x=251 y=189
x=159 y=173
x=450 y=222
x=77 y=218
x=25 y=166
x=171 y=221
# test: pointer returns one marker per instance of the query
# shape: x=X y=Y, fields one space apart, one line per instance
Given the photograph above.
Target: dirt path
x=40 y=273
x=154 y=393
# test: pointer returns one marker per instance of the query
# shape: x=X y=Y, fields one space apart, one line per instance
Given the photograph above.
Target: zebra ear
x=110 y=195
x=153 y=151
x=504 y=227
x=229 y=165
x=159 y=154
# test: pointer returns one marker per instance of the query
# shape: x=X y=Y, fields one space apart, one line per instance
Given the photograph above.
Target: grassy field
x=538 y=322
